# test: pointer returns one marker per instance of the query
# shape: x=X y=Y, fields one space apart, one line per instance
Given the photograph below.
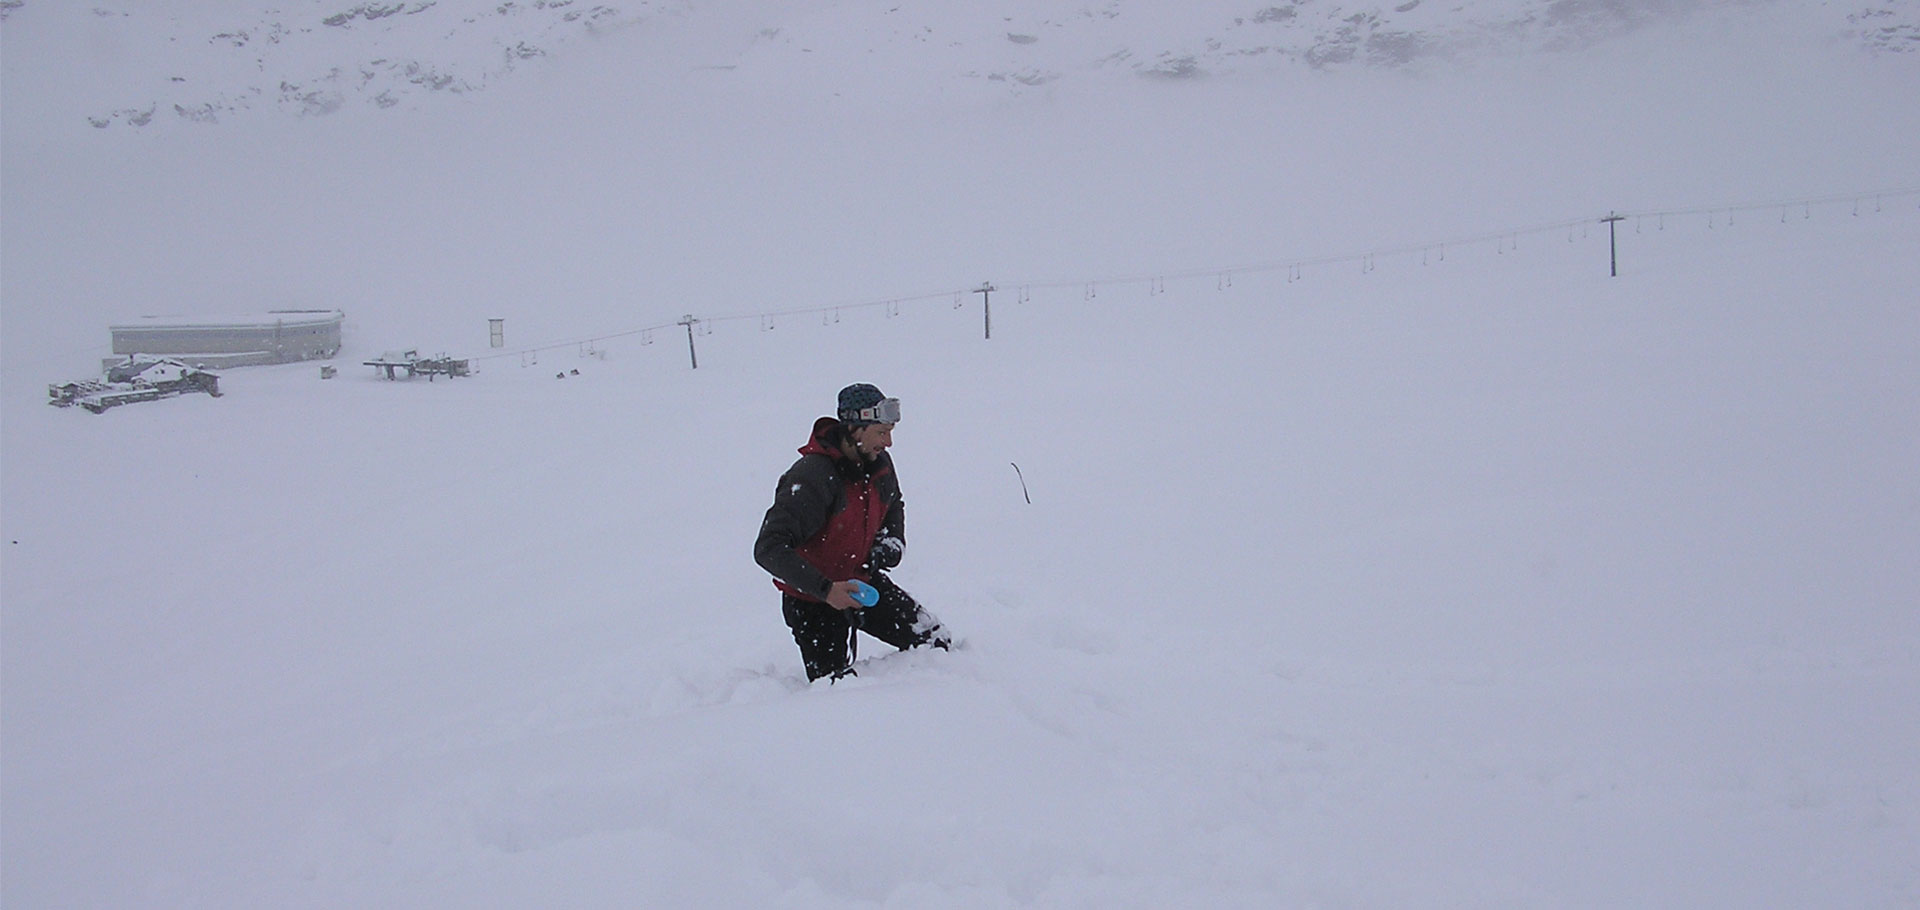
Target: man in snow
x=837 y=520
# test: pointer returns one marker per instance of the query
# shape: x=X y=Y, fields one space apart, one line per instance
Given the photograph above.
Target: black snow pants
x=824 y=633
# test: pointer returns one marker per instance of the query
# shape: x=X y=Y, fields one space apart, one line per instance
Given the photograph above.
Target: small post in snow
x=985 y=290
x=1613 y=251
x=692 y=355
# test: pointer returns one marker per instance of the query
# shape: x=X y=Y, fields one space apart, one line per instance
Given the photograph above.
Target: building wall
x=277 y=340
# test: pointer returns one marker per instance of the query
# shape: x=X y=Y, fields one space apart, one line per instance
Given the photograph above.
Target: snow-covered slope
x=208 y=61
x=1381 y=550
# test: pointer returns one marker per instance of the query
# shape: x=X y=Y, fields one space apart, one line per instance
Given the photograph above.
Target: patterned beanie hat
x=862 y=404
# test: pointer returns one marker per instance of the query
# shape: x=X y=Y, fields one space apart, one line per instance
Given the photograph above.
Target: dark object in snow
x=828 y=637
x=141 y=377
x=392 y=362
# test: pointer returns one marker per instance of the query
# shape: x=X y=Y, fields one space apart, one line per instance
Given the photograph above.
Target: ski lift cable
x=1157 y=280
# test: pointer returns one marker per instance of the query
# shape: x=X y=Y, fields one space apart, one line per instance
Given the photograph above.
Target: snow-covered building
x=279 y=336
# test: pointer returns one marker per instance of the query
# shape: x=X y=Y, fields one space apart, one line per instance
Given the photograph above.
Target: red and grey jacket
x=833 y=518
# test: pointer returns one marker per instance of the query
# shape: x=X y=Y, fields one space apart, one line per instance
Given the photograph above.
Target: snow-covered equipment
x=392 y=362
x=140 y=377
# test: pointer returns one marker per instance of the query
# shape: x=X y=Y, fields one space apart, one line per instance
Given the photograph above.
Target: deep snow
x=1466 y=576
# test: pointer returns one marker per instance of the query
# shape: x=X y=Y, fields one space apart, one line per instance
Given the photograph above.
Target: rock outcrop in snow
x=317 y=57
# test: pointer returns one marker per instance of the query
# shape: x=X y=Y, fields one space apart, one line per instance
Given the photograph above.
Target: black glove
x=886 y=552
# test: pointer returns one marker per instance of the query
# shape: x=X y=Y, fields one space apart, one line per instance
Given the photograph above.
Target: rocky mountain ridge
x=317 y=57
